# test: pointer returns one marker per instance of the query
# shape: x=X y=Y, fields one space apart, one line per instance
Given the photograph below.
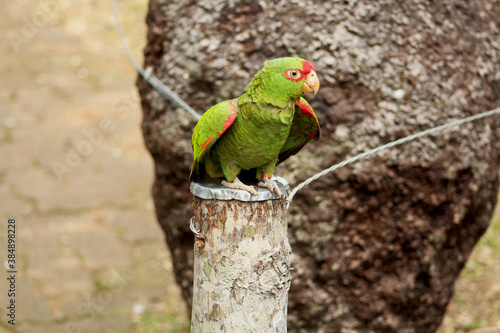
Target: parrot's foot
x=272 y=186
x=237 y=184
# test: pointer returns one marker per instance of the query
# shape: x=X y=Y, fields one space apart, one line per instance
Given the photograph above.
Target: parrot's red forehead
x=307 y=67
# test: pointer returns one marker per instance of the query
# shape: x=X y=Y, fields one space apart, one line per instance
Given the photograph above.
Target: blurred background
x=76 y=177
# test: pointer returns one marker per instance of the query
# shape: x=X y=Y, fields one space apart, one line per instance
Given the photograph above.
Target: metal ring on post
x=212 y=189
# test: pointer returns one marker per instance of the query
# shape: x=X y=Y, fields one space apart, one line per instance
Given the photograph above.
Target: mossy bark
x=242 y=272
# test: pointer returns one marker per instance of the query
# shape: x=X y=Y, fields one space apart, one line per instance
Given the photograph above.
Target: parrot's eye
x=293 y=74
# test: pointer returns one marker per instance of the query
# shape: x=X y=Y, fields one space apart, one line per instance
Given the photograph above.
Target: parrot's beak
x=311 y=84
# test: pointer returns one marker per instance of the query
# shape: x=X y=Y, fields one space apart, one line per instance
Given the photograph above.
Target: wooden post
x=242 y=268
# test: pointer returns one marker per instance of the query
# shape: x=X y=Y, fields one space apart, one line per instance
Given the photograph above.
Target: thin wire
x=390 y=145
x=193 y=229
x=146 y=74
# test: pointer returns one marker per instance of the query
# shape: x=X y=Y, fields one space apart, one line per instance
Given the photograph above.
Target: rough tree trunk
x=376 y=246
x=242 y=273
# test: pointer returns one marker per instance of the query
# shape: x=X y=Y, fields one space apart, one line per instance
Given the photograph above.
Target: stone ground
x=76 y=177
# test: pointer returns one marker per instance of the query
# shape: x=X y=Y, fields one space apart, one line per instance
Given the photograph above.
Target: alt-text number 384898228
x=11 y=271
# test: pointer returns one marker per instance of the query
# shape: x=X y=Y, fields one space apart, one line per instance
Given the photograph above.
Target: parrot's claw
x=272 y=186
x=238 y=185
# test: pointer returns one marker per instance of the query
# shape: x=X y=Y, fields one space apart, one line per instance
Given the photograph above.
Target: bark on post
x=242 y=269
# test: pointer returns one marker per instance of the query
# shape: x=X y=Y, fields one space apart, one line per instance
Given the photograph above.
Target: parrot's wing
x=305 y=127
x=212 y=125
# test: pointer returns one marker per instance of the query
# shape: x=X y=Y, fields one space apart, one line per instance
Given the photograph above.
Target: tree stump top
x=212 y=189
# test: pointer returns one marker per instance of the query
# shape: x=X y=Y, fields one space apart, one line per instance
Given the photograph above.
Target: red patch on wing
x=306 y=109
x=312 y=136
x=229 y=120
x=206 y=143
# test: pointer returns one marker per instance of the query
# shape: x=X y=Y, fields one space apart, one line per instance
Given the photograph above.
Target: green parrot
x=260 y=129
